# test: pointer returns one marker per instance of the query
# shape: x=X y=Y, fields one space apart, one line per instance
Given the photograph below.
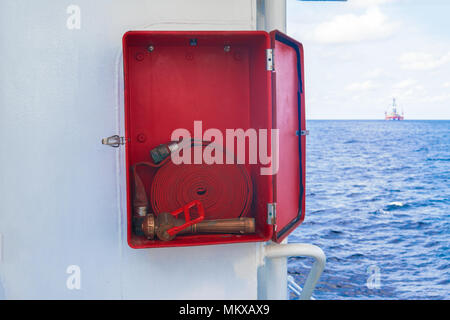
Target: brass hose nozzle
x=159 y=225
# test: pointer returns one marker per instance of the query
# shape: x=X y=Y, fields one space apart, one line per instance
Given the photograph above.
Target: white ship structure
x=63 y=210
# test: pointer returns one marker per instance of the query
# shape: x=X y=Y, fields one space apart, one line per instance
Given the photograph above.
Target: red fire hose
x=225 y=190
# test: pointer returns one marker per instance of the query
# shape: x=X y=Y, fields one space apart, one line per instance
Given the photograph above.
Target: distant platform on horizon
x=392 y=113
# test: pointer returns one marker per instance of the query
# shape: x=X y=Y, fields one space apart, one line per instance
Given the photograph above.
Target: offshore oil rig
x=392 y=113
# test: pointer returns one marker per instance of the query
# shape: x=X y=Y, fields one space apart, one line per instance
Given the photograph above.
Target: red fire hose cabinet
x=225 y=81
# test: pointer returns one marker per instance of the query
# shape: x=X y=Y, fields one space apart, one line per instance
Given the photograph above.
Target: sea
x=378 y=204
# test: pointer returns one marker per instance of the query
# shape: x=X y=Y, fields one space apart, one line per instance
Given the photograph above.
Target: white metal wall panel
x=62 y=192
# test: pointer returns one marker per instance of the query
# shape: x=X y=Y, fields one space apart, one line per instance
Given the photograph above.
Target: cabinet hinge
x=271 y=213
x=269 y=59
x=114 y=141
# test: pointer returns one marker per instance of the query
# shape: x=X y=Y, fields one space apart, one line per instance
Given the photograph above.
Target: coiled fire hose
x=225 y=190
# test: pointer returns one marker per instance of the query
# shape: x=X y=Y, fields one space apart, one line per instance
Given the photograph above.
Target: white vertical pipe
x=275 y=15
x=272 y=276
x=272 y=279
x=260 y=15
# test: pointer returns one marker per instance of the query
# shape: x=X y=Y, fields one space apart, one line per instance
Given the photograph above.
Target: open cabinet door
x=289 y=118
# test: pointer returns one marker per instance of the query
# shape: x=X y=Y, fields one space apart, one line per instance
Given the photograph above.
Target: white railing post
x=275 y=253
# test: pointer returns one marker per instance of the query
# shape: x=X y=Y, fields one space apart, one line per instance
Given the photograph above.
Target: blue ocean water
x=378 y=204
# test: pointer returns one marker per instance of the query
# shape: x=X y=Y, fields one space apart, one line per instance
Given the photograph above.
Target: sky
x=360 y=54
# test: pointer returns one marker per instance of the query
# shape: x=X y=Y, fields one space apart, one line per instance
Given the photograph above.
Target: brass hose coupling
x=162 y=151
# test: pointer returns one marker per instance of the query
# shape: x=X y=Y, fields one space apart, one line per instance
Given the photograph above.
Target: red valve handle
x=201 y=215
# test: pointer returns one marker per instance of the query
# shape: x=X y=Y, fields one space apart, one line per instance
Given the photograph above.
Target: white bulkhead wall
x=62 y=208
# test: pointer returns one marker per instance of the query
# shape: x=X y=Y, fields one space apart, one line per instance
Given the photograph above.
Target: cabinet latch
x=302 y=133
x=114 y=141
x=271 y=213
x=269 y=58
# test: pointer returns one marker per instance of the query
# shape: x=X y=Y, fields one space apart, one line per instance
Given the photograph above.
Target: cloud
x=375 y=73
x=410 y=91
x=347 y=28
x=422 y=60
x=437 y=98
x=367 y=3
x=361 y=86
x=404 y=84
